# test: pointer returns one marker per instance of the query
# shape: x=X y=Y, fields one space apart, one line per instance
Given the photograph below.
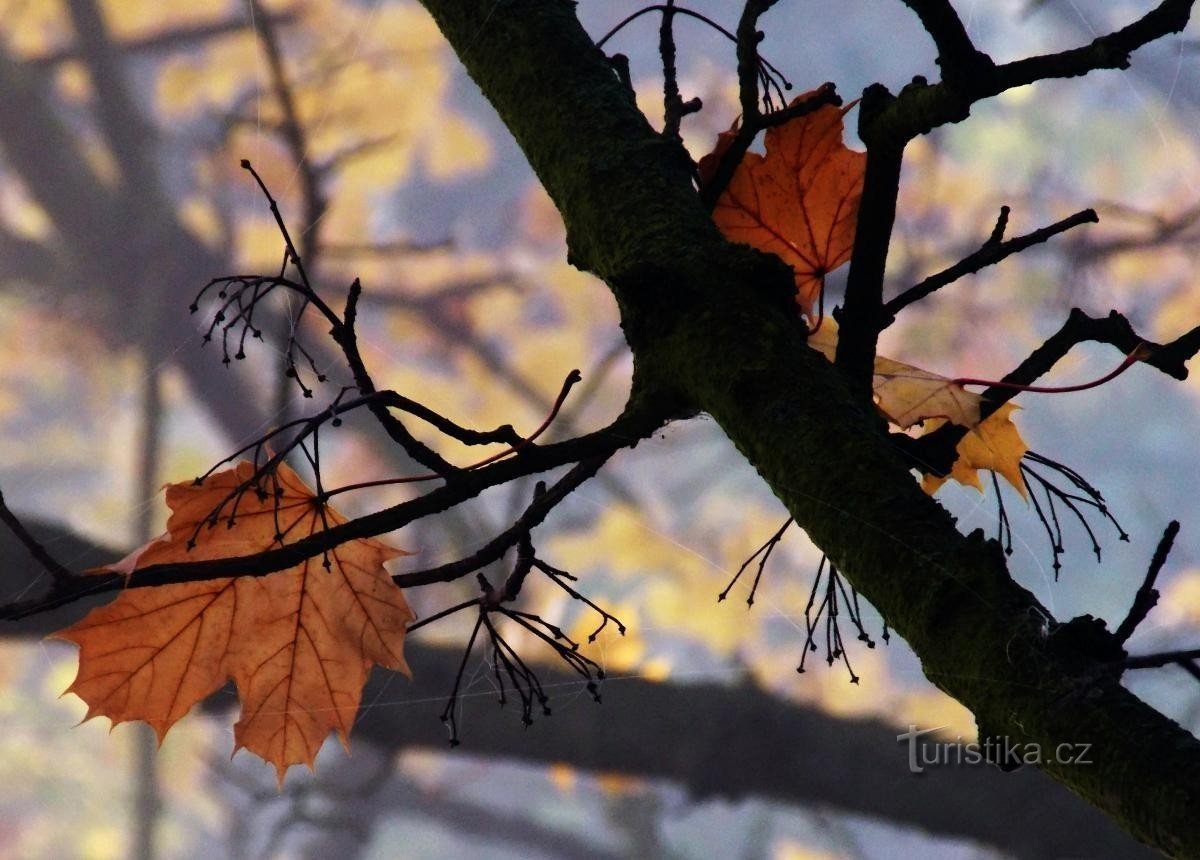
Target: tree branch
x=861 y=317
x=991 y=252
x=958 y=57
x=638 y=422
x=928 y=106
x=934 y=452
x=710 y=325
x=1147 y=596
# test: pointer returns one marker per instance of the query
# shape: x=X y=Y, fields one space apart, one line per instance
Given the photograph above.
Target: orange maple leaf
x=799 y=201
x=298 y=643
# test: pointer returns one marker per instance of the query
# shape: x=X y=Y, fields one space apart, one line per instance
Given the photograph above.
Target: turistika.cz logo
x=1003 y=752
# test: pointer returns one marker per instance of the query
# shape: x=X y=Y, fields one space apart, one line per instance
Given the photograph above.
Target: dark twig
x=935 y=452
x=768 y=74
x=293 y=255
x=1147 y=595
x=506 y=662
x=997 y=235
x=495 y=549
x=503 y=434
x=294 y=134
x=748 y=63
x=346 y=337
x=1164 y=658
x=862 y=317
x=836 y=599
x=1084 y=496
x=674 y=108
x=958 y=57
x=662 y=7
x=61 y=576
x=991 y=252
x=765 y=552
x=1003 y=526
x=970 y=76
x=559 y=577
x=626 y=431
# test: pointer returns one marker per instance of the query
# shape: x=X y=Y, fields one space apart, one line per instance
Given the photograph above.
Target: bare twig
x=972 y=76
x=294 y=134
x=934 y=452
x=763 y=554
x=638 y=422
x=62 y=577
x=991 y=252
x=1163 y=658
x=1147 y=595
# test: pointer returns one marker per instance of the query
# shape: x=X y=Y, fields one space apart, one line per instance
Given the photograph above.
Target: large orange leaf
x=298 y=643
x=799 y=201
x=905 y=394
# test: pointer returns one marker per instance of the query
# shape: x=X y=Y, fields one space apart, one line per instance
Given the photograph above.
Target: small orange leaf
x=799 y=201
x=995 y=445
x=298 y=643
x=908 y=395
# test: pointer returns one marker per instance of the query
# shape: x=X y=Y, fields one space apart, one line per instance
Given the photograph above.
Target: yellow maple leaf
x=995 y=445
x=905 y=394
x=298 y=643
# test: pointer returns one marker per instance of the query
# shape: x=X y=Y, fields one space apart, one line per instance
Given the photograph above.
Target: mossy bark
x=712 y=323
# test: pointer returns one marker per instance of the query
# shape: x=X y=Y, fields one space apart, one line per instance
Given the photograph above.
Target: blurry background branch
x=705 y=737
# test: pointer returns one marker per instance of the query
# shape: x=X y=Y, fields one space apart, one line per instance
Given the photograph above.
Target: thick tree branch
x=735 y=741
x=711 y=324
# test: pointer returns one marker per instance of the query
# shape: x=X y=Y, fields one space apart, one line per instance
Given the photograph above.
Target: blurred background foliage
x=122 y=124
